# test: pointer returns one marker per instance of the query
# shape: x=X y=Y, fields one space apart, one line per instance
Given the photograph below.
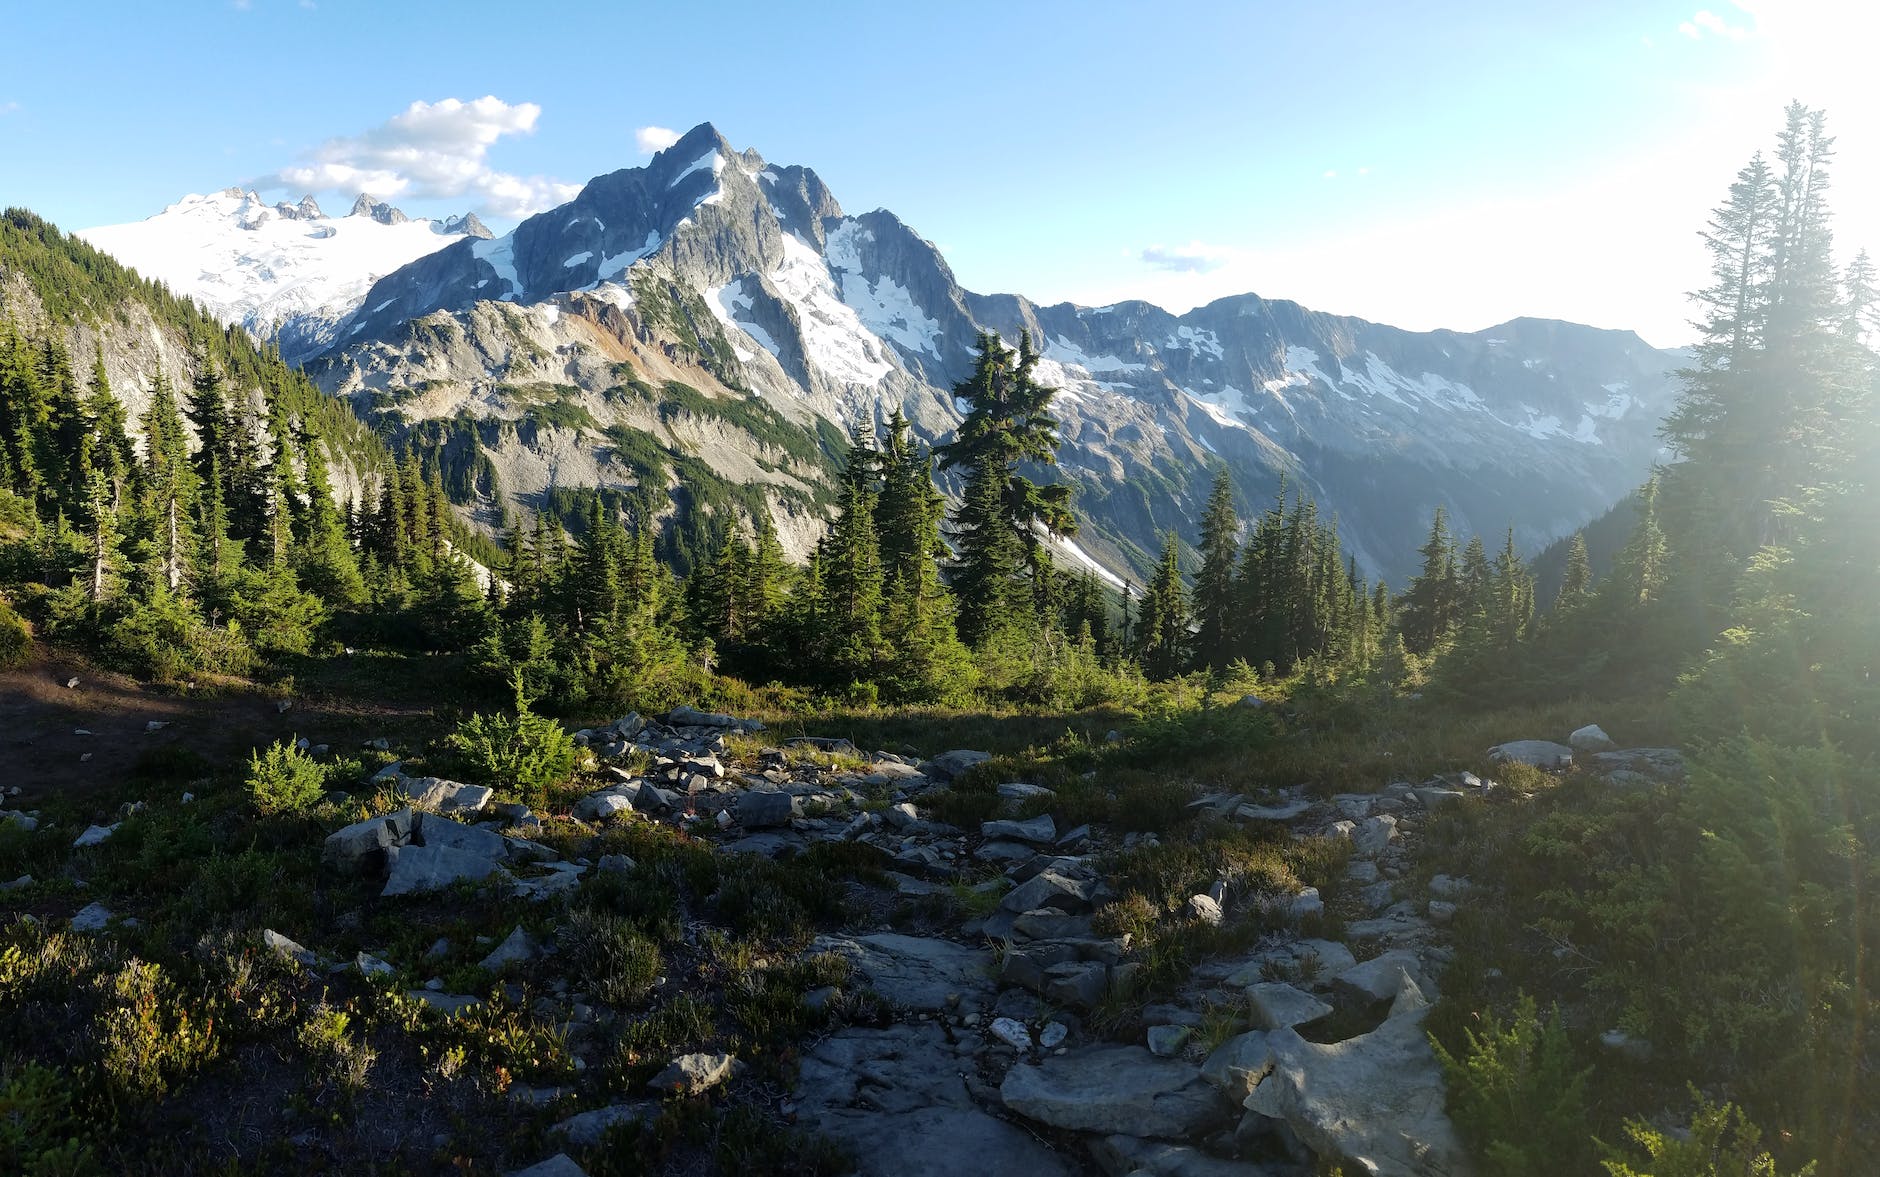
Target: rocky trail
x=997 y=1047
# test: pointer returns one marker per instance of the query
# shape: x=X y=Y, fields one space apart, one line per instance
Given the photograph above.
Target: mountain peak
x=468 y=225
x=378 y=210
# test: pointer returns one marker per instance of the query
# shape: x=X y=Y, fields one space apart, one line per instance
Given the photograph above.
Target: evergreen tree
x=1215 y=596
x=997 y=526
x=1431 y=602
x=1576 y=584
x=169 y=482
x=1162 y=634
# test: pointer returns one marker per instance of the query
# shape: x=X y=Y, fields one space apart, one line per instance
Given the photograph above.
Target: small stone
x=559 y=1165
x=1053 y=1035
x=1205 y=909
x=1442 y=911
x=1167 y=1041
x=94 y=835
x=614 y=863
x=518 y=948
x=372 y=966
x=1305 y=904
x=692 y=1073
x=1011 y=1032
x=91 y=918
x=286 y=949
x=155 y=725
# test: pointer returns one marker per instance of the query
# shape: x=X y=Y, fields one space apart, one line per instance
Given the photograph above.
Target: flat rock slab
x=1115 y=1089
x=559 y=1165
x=897 y=1099
x=1156 y=1158
x=1376 y=1099
x=432 y=830
x=1276 y=1004
x=1381 y=977
x=913 y=972
x=1039 y=831
x=585 y=1129
x=448 y=1004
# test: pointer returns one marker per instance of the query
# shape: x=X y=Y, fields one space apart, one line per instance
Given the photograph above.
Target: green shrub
x=285 y=779
x=42 y=1125
x=1516 y=1096
x=149 y=1038
x=1721 y=1142
x=526 y=751
x=15 y=638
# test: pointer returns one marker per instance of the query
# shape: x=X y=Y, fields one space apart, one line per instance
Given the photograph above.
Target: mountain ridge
x=754 y=276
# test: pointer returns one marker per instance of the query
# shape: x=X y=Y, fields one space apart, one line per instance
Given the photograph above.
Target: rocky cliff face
x=746 y=279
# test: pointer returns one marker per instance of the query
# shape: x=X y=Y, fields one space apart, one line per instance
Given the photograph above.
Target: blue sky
x=1433 y=164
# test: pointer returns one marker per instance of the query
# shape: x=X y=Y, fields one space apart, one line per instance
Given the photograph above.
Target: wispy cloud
x=651 y=139
x=431 y=150
x=1704 y=23
x=1196 y=257
x=7 y=108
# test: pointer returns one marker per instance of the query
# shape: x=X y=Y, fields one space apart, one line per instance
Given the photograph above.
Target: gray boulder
x=1039 y=831
x=286 y=949
x=1373 y=834
x=1591 y=738
x=94 y=836
x=1539 y=753
x=361 y=846
x=1112 y=1089
x=760 y=809
x=418 y=869
x=1048 y=889
x=1237 y=1064
x=437 y=795
x=91 y=918
x=949 y=765
x=609 y=802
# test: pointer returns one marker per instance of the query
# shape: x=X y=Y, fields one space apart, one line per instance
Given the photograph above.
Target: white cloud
x=432 y=150
x=651 y=139
x=1196 y=257
x=1704 y=21
x=1329 y=174
x=7 y=108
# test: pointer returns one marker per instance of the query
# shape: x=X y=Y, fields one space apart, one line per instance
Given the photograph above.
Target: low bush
x=525 y=751
x=608 y=958
x=285 y=779
x=1515 y=1094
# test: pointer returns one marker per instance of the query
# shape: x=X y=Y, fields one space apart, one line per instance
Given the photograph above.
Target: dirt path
x=43 y=751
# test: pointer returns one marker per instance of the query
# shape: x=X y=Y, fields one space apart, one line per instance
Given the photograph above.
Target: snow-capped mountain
x=287 y=272
x=713 y=268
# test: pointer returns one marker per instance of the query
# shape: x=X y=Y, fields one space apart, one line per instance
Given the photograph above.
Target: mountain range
x=730 y=314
